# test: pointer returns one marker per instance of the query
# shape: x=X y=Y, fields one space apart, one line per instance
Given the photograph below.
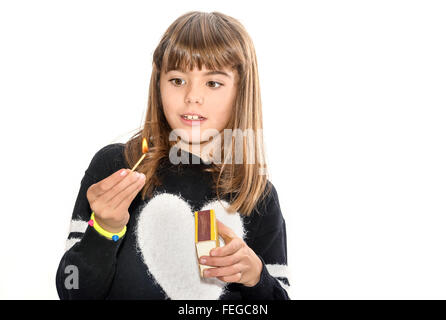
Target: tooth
x=193 y=117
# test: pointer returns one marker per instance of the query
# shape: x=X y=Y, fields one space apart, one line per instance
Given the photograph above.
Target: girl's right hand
x=111 y=197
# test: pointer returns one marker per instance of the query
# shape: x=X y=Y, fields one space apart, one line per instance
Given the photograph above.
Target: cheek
x=221 y=118
x=170 y=103
x=222 y=111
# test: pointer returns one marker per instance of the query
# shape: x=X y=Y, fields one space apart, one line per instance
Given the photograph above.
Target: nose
x=198 y=100
x=194 y=96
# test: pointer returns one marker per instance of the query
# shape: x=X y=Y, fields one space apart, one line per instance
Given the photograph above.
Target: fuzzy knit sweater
x=156 y=258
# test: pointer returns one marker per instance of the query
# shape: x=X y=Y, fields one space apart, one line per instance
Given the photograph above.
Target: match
x=145 y=149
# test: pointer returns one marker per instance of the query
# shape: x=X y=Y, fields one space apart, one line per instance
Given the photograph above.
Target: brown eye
x=175 y=81
x=215 y=82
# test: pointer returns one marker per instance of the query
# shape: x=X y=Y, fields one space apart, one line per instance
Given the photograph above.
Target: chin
x=198 y=141
x=195 y=135
x=195 y=141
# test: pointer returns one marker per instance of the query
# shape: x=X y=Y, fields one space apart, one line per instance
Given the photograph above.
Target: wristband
x=112 y=236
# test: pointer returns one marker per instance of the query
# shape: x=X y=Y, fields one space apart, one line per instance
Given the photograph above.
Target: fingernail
x=202 y=260
x=123 y=172
x=206 y=273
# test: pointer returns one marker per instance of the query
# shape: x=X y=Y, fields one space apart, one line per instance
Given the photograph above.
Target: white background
x=354 y=98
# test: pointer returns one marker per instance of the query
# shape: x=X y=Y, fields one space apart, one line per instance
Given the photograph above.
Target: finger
x=125 y=198
x=225 y=232
x=232 y=278
x=228 y=249
x=132 y=178
x=108 y=183
x=222 y=271
x=221 y=261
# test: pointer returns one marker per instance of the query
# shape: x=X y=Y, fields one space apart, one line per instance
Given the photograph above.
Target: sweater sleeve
x=269 y=243
x=87 y=267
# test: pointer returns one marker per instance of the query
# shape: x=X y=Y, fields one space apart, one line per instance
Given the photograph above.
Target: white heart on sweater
x=165 y=234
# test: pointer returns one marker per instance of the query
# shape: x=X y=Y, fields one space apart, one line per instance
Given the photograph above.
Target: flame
x=145 y=147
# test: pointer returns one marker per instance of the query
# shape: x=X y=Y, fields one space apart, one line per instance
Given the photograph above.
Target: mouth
x=192 y=119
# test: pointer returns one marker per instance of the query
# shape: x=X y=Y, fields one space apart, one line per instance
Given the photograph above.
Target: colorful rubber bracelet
x=105 y=233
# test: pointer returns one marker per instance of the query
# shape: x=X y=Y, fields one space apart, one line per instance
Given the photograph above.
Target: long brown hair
x=216 y=41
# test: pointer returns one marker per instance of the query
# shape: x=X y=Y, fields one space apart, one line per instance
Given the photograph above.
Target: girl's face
x=207 y=94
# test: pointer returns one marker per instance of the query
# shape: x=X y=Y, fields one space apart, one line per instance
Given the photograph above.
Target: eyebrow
x=209 y=73
x=217 y=72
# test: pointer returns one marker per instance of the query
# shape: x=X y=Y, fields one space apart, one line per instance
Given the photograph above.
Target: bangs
x=203 y=39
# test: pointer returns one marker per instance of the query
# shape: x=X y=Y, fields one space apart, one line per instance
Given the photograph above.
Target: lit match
x=145 y=149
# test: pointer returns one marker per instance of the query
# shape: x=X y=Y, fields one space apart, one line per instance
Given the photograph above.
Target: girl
x=204 y=87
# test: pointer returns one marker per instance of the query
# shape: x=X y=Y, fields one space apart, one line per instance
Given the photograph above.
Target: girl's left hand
x=234 y=262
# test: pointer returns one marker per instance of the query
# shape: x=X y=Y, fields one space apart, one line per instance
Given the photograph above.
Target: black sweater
x=156 y=257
